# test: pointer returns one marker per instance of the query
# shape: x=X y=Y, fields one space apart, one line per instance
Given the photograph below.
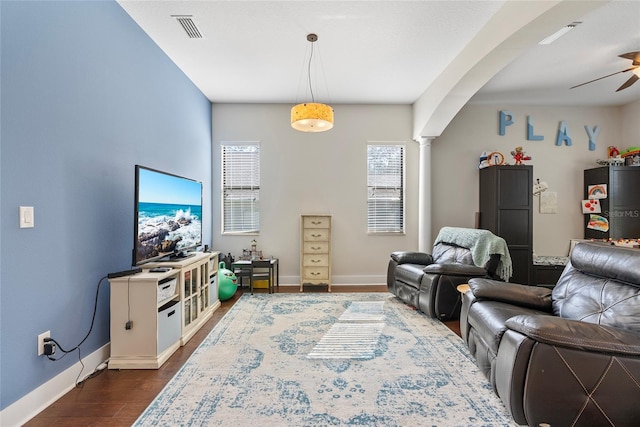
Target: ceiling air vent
x=189 y=26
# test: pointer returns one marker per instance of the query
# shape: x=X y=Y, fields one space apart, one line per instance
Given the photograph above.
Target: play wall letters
x=562 y=137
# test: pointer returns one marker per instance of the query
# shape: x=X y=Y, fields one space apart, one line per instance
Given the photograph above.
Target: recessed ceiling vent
x=189 y=26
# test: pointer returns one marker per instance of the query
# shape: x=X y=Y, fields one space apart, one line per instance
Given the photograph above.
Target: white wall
x=326 y=172
x=630 y=125
x=475 y=129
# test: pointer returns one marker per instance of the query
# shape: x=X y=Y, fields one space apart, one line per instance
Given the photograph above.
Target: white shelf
x=157 y=331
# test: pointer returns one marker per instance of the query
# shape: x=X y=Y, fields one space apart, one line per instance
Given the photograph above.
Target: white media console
x=153 y=314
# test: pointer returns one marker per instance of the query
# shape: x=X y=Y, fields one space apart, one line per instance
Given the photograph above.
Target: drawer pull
x=316 y=222
x=315 y=260
x=315 y=273
x=171 y=313
x=316 y=248
x=165 y=287
x=316 y=235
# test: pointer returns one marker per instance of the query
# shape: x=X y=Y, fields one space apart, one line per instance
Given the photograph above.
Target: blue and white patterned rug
x=254 y=370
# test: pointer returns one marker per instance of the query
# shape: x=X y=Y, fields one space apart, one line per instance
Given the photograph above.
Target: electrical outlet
x=41 y=338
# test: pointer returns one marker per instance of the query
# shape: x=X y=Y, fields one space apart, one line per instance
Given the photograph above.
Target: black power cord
x=77 y=347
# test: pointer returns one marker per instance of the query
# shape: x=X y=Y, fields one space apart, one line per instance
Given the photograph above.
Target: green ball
x=227 y=283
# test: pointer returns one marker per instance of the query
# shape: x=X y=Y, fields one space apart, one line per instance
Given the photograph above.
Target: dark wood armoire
x=506 y=209
x=621 y=206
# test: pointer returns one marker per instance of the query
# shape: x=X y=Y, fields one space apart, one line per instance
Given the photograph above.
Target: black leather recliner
x=567 y=356
x=429 y=281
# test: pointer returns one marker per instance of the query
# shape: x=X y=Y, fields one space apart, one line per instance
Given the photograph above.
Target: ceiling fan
x=635 y=68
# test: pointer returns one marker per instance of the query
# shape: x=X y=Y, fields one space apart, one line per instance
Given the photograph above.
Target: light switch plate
x=26 y=217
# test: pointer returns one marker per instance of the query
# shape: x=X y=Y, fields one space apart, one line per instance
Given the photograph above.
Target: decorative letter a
x=563 y=134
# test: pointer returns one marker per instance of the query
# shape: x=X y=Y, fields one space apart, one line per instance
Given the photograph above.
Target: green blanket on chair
x=482 y=244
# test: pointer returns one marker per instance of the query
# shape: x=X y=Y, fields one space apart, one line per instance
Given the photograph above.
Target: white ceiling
x=381 y=52
x=544 y=74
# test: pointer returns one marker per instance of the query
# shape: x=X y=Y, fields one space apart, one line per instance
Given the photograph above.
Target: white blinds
x=385 y=186
x=240 y=188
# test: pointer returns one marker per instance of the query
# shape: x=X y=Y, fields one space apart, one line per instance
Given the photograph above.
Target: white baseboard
x=340 y=280
x=359 y=280
x=39 y=399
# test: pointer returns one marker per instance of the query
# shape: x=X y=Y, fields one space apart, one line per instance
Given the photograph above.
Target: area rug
x=254 y=370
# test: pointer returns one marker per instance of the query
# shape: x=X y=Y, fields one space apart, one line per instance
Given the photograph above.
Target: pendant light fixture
x=311 y=116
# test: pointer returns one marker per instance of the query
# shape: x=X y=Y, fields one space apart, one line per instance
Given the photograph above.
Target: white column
x=424 y=196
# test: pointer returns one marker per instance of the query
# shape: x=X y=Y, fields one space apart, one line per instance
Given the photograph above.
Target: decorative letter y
x=593 y=134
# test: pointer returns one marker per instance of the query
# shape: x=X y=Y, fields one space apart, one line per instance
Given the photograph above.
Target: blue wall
x=86 y=95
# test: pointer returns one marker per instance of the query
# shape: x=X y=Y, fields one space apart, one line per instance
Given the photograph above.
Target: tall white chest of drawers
x=315 y=250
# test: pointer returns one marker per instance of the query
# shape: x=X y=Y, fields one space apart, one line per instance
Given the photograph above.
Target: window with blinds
x=385 y=187
x=241 y=188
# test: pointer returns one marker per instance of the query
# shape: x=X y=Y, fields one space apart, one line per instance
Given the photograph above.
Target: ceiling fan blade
x=629 y=82
x=634 y=56
x=603 y=77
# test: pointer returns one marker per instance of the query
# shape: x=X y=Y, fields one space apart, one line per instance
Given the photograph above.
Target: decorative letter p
x=506 y=119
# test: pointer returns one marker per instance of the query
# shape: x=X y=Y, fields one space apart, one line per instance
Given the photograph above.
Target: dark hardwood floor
x=118 y=397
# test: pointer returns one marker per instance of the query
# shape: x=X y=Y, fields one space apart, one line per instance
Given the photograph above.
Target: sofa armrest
x=410 y=257
x=575 y=334
x=534 y=297
x=455 y=269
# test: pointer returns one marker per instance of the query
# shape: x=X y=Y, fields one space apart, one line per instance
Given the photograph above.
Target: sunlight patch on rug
x=348 y=341
x=364 y=311
x=356 y=334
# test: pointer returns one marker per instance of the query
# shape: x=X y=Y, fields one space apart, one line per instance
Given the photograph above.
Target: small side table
x=547 y=270
x=463 y=288
x=244 y=267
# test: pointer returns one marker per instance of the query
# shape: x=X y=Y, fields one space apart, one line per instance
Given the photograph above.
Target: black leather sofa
x=429 y=281
x=568 y=356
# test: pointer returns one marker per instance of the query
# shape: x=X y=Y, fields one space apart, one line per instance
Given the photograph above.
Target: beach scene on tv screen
x=169 y=214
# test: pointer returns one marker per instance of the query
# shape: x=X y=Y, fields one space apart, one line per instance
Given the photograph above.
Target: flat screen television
x=168 y=216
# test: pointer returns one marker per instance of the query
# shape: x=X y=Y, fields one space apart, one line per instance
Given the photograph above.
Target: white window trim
x=403 y=183
x=255 y=231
